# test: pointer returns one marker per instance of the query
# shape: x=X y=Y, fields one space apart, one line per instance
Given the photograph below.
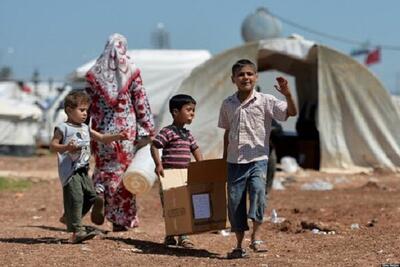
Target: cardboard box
x=195 y=198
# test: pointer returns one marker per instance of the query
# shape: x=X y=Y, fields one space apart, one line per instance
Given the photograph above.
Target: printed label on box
x=176 y=212
x=201 y=206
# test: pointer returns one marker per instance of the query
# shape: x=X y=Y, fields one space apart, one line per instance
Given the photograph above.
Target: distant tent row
x=356 y=120
x=19 y=120
x=346 y=115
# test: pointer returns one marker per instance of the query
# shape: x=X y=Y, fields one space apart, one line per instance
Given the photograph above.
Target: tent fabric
x=358 y=122
x=17 y=110
x=396 y=101
x=355 y=116
x=11 y=90
x=19 y=122
x=209 y=84
x=162 y=71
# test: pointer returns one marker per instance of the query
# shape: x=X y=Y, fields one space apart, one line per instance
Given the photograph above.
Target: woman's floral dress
x=132 y=114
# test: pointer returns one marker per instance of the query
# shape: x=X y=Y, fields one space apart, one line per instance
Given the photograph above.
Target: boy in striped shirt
x=177 y=144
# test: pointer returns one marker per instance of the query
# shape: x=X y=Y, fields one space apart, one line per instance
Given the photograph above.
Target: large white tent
x=356 y=118
x=19 y=120
x=162 y=71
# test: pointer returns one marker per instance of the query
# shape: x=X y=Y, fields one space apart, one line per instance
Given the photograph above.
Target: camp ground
x=347 y=121
x=345 y=124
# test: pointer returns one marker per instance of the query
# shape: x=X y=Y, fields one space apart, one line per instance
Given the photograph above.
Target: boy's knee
x=258 y=190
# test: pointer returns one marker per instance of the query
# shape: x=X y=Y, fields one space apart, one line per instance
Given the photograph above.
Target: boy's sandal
x=186 y=243
x=62 y=219
x=97 y=215
x=169 y=241
x=237 y=253
x=258 y=246
x=119 y=228
x=83 y=236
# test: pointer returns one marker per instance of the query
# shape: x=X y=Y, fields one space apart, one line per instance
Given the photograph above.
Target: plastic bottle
x=274 y=216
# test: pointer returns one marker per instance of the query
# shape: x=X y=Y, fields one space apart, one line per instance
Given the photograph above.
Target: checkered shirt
x=249 y=125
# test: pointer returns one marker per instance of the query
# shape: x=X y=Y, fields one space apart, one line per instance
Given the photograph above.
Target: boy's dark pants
x=79 y=195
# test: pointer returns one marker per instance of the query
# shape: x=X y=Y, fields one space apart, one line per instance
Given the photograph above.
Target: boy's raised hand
x=283 y=86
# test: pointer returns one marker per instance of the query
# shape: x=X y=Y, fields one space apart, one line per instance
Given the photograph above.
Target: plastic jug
x=140 y=176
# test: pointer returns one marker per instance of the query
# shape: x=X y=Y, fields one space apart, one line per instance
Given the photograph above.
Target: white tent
x=356 y=119
x=396 y=100
x=162 y=71
x=19 y=120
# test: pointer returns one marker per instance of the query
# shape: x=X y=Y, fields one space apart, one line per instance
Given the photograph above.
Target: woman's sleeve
x=144 y=117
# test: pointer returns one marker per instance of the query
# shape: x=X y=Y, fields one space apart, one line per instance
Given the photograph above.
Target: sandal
x=257 y=246
x=169 y=240
x=82 y=236
x=237 y=253
x=185 y=242
x=119 y=228
x=97 y=215
x=62 y=219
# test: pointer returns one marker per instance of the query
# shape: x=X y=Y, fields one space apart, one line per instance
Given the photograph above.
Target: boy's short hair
x=75 y=98
x=178 y=101
x=241 y=63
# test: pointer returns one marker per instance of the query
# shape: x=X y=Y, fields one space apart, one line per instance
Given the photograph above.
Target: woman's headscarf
x=114 y=71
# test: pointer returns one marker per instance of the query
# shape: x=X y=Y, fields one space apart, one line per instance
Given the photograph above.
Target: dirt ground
x=355 y=223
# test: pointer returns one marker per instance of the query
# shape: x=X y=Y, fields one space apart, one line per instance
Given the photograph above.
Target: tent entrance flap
x=347 y=108
x=304 y=144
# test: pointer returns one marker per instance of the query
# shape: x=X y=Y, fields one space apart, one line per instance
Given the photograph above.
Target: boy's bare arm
x=143 y=141
x=285 y=90
x=108 y=138
x=156 y=158
x=56 y=146
x=198 y=156
x=226 y=141
x=292 y=110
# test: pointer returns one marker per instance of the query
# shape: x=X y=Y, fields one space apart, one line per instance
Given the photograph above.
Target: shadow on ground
x=45 y=227
x=149 y=247
x=39 y=240
x=31 y=240
x=49 y=240
x=88 y=228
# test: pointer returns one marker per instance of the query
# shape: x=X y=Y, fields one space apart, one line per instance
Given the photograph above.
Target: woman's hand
x=124 y=135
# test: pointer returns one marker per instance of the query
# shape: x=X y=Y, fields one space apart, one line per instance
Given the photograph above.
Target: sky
x=56 y=37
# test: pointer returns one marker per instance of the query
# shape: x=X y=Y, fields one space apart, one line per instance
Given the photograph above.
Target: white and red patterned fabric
x=119 y=103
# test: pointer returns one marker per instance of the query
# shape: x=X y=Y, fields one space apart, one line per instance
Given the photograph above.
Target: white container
x=289 y=164
x=140 y=176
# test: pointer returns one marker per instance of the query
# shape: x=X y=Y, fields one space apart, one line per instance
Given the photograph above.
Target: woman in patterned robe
x=119 y=103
